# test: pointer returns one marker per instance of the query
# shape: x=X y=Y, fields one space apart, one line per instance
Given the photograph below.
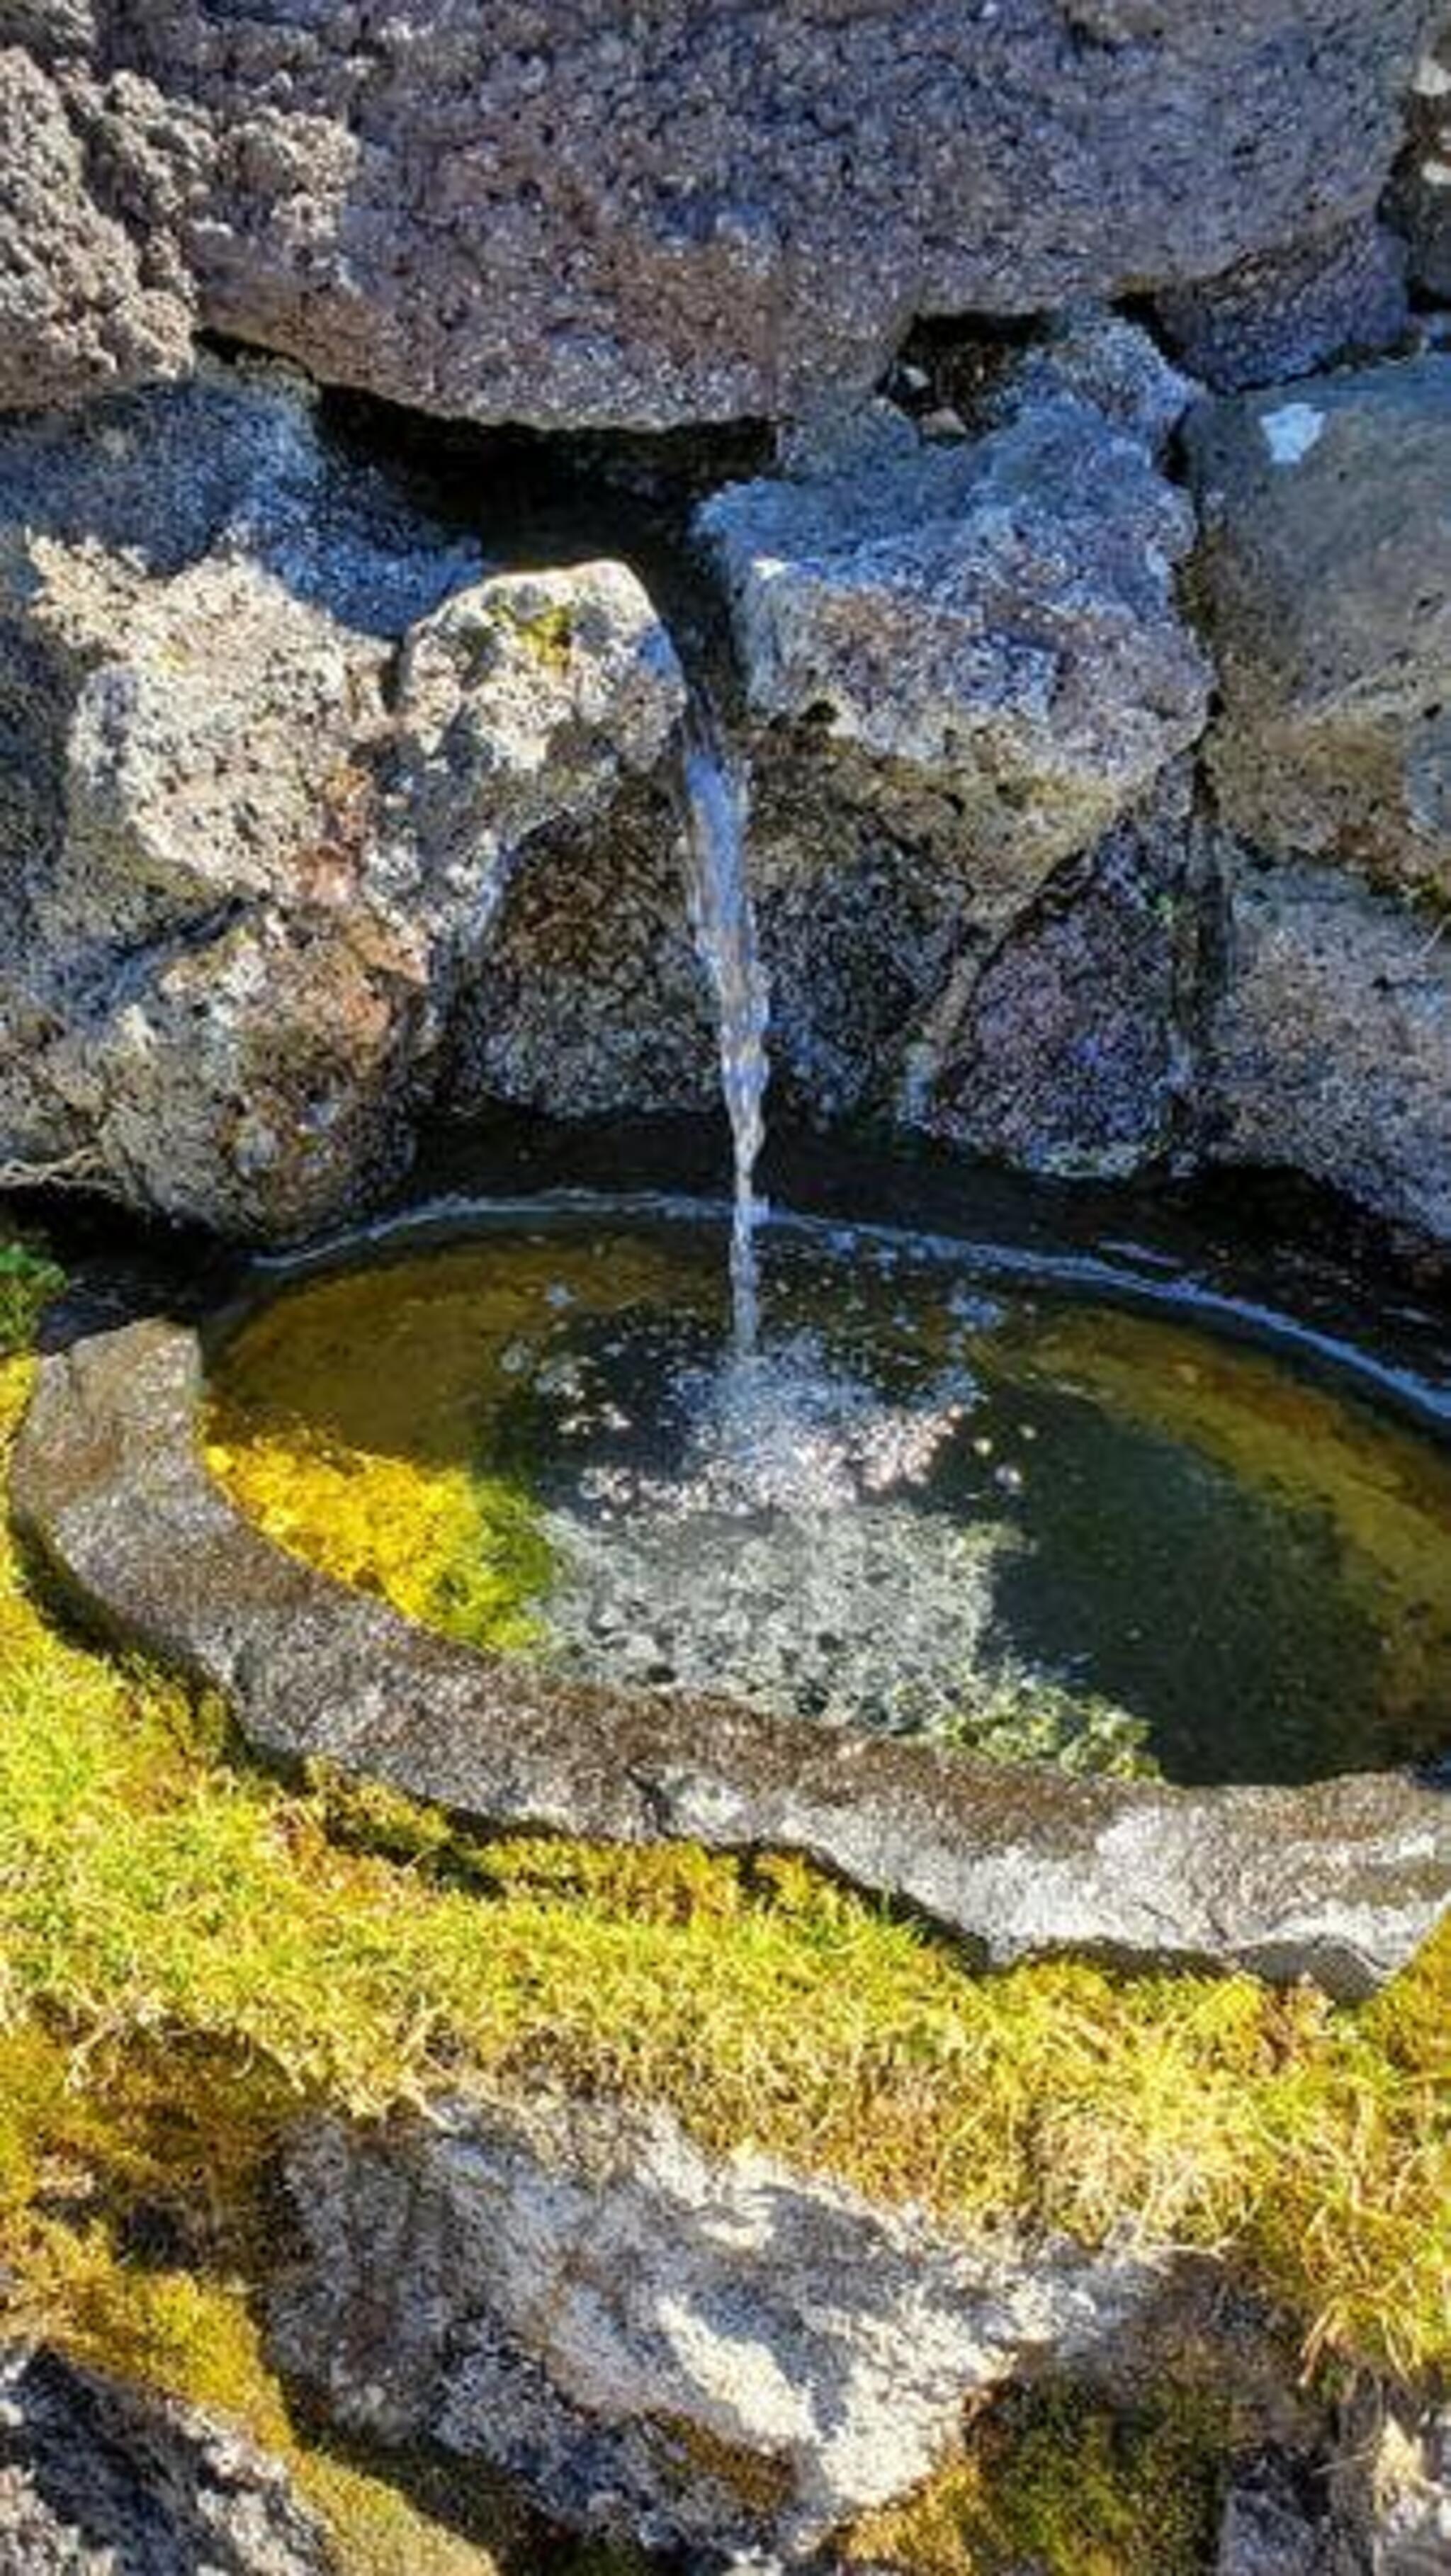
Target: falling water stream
x=723 y=920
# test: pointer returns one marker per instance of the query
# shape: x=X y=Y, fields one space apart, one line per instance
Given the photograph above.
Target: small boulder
x=719 y=2354
x=1329 y=1051
x=1065 y=1050
x=275 y=746
x=992 y=625
x=1286 y=312
x=101 y=2477
x=1325 y=583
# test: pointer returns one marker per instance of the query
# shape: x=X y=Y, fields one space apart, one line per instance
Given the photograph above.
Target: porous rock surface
x=995 y=622
x=102 y=2477
x=1325 y=580
x=1329 y=1044
x=1420 y=197
x=662 y=2346
x=274 y=745
x=1065 y=1049
x=1340 y=1881
x=574 y=217
x=1288 y=312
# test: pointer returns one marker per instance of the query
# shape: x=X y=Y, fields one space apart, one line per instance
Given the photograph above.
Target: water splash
x=723 y=920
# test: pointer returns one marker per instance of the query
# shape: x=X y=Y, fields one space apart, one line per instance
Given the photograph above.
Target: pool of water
x=948 y=1495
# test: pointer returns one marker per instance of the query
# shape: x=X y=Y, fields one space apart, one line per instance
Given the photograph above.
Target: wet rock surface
x=1340 y=1881
x=1325 y=579
x=1066 y=1051
x=615 y=219
x=100 y=2477
x=717 y=2353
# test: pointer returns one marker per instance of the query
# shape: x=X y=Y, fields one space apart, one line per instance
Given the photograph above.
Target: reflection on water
x=995 y=1512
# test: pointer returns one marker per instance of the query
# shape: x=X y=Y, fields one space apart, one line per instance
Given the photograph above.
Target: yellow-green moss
x=350 y=1419
x=1055 y=2481
x=269 y=1947
x=463 y=1554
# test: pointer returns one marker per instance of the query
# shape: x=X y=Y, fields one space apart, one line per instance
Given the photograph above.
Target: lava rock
x=1329 y=1049
x=1279 y=2520
x=1287 y=312
x=664 y=2347
x=274 y=748
x=99 y=2477
x=609 y=217
x=1420 y=195
x=1325 y=581
x=1066 y=1050
x=993 y=624
x=79 y=312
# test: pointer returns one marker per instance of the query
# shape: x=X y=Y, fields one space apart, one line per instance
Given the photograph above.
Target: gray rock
x=1329 y=1051
x=621 y=217
x=661 y=2346
x=102 y=2478
x=1411 y=2493
x=1099 y=358
x=275 y=747
x=1278 y=2520
x=1325 y=579
x=1287 y=312
x=993 y=624
x=1066 y=1050
x=1340 y=1881
x=79 y=312
x=588 y=999
x=1420 y=197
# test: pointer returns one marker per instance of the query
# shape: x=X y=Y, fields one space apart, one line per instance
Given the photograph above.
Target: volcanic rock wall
x=1092 y=624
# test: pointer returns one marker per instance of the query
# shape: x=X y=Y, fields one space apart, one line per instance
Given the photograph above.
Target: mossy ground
x=189 y=1952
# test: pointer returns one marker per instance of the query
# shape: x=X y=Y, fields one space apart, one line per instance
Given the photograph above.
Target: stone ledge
x=1340 y=1881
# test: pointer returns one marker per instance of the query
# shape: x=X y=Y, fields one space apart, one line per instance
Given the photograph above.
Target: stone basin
x=1339 y=1880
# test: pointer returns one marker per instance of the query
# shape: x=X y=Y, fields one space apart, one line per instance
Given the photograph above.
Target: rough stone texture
x=1066 y=1051
x=538 y=213
x=1420 y=198
x=1340 y=1881
x=1410 y=2498
x=1287 y=312
x=995 y=624
x=1325 y=578
x=99 y=2477
x=274 y=749
x=588 y=998
x=1329 y=1050
x=1096 y=357
x=662 y=2346
x=80 y=309
x=1279 y=2520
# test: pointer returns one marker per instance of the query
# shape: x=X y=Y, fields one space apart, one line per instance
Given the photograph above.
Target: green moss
x=189 y=1953
x=549 y=634
x=1056 y=2481
x=350 y=1417
x=28 y=1280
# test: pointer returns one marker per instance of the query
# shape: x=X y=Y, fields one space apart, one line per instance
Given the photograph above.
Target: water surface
x=939 y=1496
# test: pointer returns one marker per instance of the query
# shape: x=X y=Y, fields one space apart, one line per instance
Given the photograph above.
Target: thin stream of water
x=723 y=920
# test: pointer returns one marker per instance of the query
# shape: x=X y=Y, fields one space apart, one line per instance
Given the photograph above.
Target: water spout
x=723 y=919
